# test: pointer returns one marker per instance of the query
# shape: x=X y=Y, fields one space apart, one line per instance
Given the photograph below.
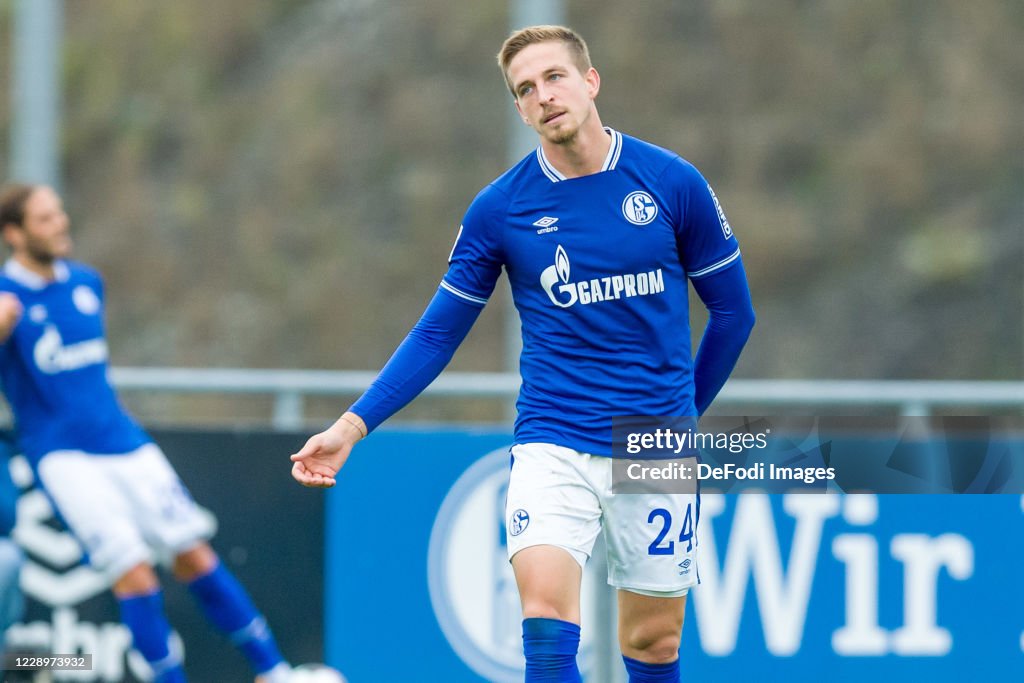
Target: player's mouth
x=61 y=244
x=553 y=117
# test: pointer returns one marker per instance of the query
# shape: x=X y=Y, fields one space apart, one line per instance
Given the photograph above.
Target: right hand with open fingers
x=311 y=478
x=318 y=462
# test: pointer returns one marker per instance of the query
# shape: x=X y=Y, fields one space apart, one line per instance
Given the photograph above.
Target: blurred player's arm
x=731 y=318
x=419 y=359
x=10 y=314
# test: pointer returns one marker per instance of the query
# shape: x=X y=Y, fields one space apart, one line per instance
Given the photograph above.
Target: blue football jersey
x=54 y=366
x=598 y=267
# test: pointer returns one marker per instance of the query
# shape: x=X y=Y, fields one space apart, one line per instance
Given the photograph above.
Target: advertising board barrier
x=792 y=586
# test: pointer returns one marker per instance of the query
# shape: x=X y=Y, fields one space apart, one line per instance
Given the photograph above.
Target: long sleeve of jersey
x=419 y=359
x=727 y=298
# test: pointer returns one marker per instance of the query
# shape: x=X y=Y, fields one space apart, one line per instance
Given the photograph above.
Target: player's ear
x=593 y=80
x=519 y=110
x=10 y=232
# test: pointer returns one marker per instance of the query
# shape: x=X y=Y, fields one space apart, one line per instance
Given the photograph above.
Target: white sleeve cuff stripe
x=463 y=295
x=715 y=266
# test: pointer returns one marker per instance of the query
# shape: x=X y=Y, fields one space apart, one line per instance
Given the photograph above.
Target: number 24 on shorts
x=685 y=534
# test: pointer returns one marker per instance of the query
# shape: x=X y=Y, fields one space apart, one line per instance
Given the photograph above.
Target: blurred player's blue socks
x=550 y=646
x=144 y=617
x=642 y=672
x=229 y=608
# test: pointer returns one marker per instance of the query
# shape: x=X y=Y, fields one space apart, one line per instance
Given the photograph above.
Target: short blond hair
x=531 y=35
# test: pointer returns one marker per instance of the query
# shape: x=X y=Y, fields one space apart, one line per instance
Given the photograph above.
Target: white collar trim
x=25 y=277
x=610 y=161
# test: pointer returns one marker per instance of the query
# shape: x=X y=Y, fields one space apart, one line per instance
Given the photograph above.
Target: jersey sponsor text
x=594 y=290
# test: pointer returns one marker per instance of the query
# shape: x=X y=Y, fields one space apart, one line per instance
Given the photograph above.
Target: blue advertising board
x=793 y=587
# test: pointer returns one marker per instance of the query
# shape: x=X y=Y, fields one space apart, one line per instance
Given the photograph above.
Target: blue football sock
x=642 y=672
x=228 y=607
x=151 y=634
x=550 y=646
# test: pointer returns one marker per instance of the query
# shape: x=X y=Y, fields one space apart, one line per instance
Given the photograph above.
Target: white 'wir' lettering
x=860 y=635
x=753 y=550
x=922 y=557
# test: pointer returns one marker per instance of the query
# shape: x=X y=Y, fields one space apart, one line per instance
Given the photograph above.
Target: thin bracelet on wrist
x=359 y=429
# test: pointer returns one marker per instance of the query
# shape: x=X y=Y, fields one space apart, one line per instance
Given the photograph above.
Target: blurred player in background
x=599 y=233
x=111 y=484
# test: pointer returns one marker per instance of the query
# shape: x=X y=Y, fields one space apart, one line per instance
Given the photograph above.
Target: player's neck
x=44 y=269
x=584 y=154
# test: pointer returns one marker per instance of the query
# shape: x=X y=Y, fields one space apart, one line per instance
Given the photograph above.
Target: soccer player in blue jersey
x=110 y=483
x=599 y=233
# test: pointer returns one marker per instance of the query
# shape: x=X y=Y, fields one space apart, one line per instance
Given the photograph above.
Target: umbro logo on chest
x=546 y=225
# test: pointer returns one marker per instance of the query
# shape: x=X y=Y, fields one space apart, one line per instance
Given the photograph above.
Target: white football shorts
x=561 y=497
x=124 y=509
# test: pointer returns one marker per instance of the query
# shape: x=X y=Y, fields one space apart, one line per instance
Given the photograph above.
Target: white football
x=316 y=673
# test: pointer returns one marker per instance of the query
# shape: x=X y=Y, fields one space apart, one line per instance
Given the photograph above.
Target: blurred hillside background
x=277 y=183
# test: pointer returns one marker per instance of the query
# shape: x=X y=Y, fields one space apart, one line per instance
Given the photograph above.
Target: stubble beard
x=563 y=135
x=567 y=135
x=41 y=252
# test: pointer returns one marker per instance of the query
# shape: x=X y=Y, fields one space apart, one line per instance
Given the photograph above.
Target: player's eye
x=525 y=90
